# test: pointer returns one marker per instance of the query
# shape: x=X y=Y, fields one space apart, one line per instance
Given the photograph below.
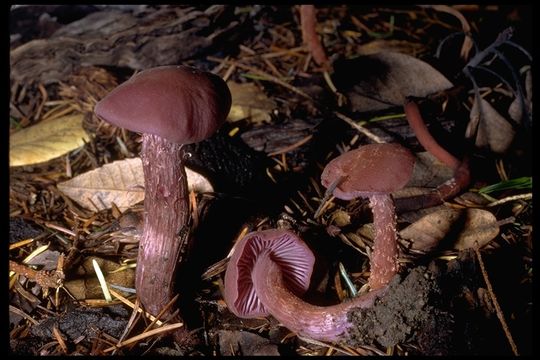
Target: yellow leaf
x=47 y=140
x=121 y=183
x=249 y=102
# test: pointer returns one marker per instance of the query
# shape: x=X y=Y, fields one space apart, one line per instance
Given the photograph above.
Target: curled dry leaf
x=390 y=78
x=515 y=111
x=121 y=183
x=245 y=343
x=47 y=140
x=249 y=102
x=464 y=228
x=490 y=128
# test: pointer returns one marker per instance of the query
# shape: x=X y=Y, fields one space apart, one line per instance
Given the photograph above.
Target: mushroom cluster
x=171 y=106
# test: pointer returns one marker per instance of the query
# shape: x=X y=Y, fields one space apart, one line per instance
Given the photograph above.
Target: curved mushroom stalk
x=446 y=190
x=266 y=275
x=326 y=323
x=412 y=113
x=440 y=194
x=308 y=21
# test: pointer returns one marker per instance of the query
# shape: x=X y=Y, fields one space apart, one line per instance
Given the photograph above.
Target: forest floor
x=466 y=265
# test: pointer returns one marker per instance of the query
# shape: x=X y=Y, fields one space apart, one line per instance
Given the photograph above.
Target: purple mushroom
x=374 y=171
x=266 y=275
x=171 y=106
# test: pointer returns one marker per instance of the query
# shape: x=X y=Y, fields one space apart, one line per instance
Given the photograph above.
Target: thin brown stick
x=359 y=127
x=153 y=332
x=292 y=146
x=498 y=310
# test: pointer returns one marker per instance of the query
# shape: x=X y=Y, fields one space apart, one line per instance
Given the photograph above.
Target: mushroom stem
x=449 y=188
x=326 y=323
x=383 y=263
x=165 y=236
x=443 y=192
x=308 y=20
x=424 y=136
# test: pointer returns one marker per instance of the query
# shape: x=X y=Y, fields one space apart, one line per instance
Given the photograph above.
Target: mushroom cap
x=370 y=169
x=179 y=103
x=286 y=249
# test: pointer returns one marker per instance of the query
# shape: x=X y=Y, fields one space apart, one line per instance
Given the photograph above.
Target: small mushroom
x=269 y=271
x=171 y=106
x=374 y=171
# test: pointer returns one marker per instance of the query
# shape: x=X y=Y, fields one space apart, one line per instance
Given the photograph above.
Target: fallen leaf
x=85 y=284
x=427 y=233
x=383 y=80
x=121 y=183
x=515 y=111
x=47 y=140
x=245 y=343
x=490 y=128
x=249 y=102
x=47 y=260
x=479 y=229
x=378 y=45
x=464 y=227
x=340 y=218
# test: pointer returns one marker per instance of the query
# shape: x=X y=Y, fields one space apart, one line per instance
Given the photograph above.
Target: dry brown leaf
x=479 y=229
x=490 y=128
x=248 y=344
x=46 y=140
x=464 y=227
x=394 y=45
x=121 y=183
x=85 y=284
x=340 y=218
x=515 y=110
x=249 y=102
x=390 y=77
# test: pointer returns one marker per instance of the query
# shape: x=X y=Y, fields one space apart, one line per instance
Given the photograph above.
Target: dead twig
x=498 y=310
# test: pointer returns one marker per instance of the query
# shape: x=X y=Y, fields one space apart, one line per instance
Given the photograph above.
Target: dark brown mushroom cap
x=286 y=249
x=179 y=103
x=370 y=169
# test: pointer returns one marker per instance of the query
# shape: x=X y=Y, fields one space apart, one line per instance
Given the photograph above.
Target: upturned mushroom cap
x=371 y=169
x=179 y=103
x=286 y=249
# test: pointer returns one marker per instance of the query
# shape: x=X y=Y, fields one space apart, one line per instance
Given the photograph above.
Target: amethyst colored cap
x=370 y=169
x=179 y=103
x=287 y=250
